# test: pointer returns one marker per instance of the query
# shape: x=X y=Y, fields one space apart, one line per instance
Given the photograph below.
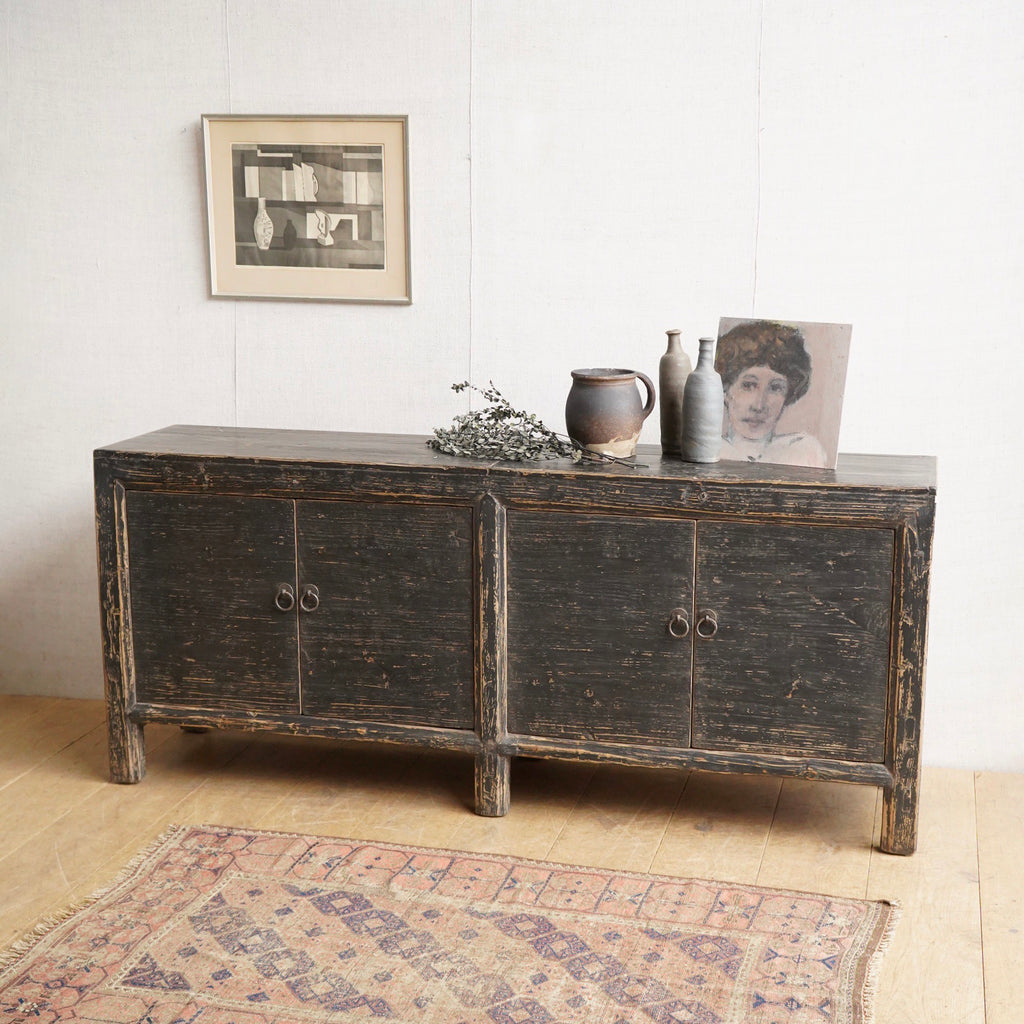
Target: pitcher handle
x=649 y=407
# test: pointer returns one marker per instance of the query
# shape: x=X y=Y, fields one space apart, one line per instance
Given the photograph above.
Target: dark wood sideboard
x=732 y=617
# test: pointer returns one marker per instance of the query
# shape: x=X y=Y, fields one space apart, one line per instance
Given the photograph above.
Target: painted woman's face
x=754 y=402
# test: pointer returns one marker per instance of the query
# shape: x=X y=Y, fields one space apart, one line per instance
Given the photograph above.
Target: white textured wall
x=584 y=176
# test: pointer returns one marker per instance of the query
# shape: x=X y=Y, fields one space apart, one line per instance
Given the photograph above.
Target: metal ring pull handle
x=707 y=624
x=310 y=598
x=284 y=599
x=678 y=624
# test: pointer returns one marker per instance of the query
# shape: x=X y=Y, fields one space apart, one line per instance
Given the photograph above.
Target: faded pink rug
x=232 y=926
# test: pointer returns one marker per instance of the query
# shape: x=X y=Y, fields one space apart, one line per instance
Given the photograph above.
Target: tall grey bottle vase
x=703 y=408
x=674 y=368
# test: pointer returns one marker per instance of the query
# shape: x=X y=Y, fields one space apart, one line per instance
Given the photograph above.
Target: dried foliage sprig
x=500 y=431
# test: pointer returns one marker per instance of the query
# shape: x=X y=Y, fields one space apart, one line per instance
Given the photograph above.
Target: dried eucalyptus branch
x=500 y=431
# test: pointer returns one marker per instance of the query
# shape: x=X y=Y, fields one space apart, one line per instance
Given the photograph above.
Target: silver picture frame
x=308 y=207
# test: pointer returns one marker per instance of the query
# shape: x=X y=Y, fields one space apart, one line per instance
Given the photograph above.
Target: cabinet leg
x=127 y=749
x=492 y=784
x=899 y=817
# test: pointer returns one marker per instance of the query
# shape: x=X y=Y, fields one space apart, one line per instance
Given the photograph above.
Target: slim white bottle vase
x=703 y=408
x=262 y=226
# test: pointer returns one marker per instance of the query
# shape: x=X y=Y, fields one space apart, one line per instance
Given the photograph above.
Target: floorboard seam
x=981 y=900
x=771 y=829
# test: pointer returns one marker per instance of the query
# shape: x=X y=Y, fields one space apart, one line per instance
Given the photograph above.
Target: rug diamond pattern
x=223 y=926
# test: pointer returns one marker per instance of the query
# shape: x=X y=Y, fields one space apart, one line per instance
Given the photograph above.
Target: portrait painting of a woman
x=767 y=373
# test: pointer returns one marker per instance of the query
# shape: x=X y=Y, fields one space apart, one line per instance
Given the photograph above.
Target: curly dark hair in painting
x=765 y=343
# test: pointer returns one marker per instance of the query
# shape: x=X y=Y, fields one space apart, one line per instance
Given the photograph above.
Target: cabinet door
x=590 y=599
x=800 y=660
x=204 y=572
x=392 y=638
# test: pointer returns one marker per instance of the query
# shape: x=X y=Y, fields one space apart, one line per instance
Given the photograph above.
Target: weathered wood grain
x=204 y=573
x=1000 y=818
x=125 y=740
x=311 y=725
x=799 y=663
x=887 y=472
x=664 y=494
x=491 y=783
x=392 y=637
x=76 y=834
x=492 y=786
x=940 y=932
x=506 y=609
x=591 y=657
x=322 y=463
x=906 y=705
x=759 y=763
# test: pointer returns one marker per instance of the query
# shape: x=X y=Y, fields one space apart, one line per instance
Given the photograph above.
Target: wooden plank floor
x=958 y=953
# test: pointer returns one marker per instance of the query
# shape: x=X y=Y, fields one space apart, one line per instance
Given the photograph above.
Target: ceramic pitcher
x=604 y=413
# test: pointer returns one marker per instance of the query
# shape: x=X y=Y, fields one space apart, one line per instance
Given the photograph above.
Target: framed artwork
x=784 y=383
x=308 y=207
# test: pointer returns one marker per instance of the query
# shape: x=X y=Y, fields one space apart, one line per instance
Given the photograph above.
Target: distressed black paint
x=800 y=661
x=504 y=609
x=204 y=571
x=590 y=653
x=392 y=637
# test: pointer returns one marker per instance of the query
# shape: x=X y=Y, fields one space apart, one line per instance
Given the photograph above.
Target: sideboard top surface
x=258 y=444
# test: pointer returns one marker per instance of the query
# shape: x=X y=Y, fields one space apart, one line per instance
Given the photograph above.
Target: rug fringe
x=10 y=957
x=873 y=970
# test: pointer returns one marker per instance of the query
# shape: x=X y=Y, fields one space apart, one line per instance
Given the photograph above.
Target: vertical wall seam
x=235 y=363
x=227 y=52
x=757 y=156
x=8 y=63
x=472 y=198
x=234 y=304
